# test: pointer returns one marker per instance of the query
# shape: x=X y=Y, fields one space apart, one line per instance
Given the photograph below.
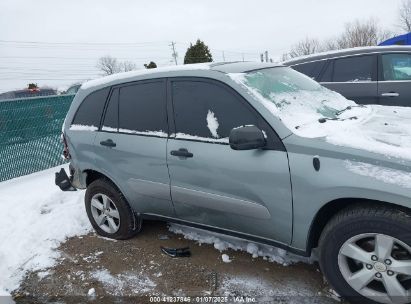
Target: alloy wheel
x=378 y=267
x=105 y=213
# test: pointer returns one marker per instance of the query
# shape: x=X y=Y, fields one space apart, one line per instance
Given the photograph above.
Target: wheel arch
x=327 y=211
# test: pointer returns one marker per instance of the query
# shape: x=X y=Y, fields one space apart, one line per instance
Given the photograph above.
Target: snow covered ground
x=36 y=217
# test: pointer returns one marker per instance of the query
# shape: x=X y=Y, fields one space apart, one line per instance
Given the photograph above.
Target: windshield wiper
x=337 y=113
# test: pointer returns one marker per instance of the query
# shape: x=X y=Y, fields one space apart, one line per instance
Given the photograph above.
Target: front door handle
x=390 y=94
x=108 y=143
x=182 y=152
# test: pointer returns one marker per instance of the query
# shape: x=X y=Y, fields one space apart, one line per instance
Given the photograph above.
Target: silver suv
x=253 y=150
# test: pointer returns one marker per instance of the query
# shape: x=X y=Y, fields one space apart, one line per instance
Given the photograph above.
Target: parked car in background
x=28 y=93
x=372 y=75
x=258 y=151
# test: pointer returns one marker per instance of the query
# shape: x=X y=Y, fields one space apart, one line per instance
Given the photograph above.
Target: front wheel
x=109 y=212
x=365 y=254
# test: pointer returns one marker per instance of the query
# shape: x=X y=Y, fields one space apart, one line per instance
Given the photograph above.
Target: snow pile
x=389 y=176
x=319 y=112
x=225 y=258
x=37 y=217
x=91 y=292
x=222 y=242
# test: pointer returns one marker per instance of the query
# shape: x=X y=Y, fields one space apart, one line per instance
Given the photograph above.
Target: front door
x=211 y=184
x=394 y=86
x=131 y=145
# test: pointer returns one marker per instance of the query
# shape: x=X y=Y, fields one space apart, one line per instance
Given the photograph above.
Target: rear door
x=394 y=85
x=354 y=77
x=213 y=185
x=131 y=145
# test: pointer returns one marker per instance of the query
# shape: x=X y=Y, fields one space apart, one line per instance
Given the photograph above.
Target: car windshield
x=294 y=97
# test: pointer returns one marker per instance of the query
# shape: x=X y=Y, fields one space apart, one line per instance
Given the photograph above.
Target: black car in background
x=370 y=75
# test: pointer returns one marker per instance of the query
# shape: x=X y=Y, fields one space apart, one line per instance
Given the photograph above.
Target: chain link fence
x=30 y=130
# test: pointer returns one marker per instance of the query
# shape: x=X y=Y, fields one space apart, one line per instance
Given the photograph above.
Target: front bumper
x=63 y=181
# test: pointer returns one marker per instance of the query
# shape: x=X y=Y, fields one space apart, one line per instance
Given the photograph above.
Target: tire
x=357 y=241
x=120 y=222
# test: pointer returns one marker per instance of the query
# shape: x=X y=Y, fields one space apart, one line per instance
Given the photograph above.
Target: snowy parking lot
x=49 y=251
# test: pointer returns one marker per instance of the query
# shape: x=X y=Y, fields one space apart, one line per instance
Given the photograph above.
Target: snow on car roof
x=224 y=67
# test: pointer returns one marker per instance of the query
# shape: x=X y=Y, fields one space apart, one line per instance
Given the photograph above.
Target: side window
x=311 y=69
x=143 y=110
x=327 y=75
x=353 y=69
x=396 y=67
x=207 y=111
x=90 y=110
x=110 y=122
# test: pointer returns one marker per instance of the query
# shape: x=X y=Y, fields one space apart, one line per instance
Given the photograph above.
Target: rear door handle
x=182 y=152
x=108 y=143
x=390 y=94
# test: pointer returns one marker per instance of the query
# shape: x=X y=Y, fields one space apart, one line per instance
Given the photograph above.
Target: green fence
x=30 y=130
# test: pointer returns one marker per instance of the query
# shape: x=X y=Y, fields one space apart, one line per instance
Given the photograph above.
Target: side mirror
x=247 y=138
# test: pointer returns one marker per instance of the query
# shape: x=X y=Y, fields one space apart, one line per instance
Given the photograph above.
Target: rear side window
x=207 y=111
x=143 y=110
x=353 y=69
x=311 y=69
x=110 y=122
x=90 y=110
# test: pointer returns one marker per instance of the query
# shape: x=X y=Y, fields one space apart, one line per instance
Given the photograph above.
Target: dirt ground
x=135 y=271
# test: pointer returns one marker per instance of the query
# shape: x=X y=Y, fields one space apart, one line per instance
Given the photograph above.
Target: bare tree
x=405 y=15
x=367 y=33
x=108 y=65
x=127 y=66
x=304 y=47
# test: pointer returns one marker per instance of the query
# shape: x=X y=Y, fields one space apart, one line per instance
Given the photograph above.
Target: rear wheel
x=109 y=212
x=365 y=254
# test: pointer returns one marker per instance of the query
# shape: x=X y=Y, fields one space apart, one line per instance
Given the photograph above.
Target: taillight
x=66 y=153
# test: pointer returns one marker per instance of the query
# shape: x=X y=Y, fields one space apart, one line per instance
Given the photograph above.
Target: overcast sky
x=81 y=31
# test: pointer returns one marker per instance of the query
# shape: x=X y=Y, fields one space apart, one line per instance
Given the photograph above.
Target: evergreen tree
x=199 y=52
x=151 y=65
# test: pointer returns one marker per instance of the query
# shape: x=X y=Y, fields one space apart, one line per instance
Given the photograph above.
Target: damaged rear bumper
x=63 y=181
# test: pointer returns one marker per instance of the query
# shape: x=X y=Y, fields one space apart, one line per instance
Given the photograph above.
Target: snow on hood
x=326 y=114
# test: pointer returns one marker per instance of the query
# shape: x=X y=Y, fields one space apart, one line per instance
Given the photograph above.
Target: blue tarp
x=398 y=40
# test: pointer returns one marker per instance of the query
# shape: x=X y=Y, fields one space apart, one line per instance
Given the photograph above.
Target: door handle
x=108 y=143
x=390 y=94
x=182 y=152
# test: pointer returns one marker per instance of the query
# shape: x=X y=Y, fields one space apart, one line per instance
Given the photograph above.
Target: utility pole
x=175 y=55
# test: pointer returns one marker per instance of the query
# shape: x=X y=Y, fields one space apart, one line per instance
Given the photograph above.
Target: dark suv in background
x=372 y=75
